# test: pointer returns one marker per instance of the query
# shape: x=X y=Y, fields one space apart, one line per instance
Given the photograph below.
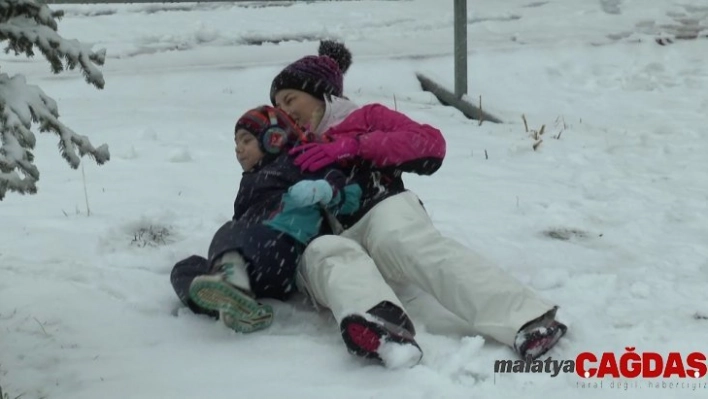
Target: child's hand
x=311 y=192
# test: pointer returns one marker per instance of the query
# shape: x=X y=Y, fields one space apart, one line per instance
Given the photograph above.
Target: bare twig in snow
x=83 y=177
x=481 y=114
x=42 y=327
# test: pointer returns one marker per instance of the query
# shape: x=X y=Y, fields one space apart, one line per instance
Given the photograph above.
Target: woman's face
x=248 y=151
x=299 y=105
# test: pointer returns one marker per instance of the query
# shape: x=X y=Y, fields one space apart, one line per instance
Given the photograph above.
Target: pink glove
x=315 y=156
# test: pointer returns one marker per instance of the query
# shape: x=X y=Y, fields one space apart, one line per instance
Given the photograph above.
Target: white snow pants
x=396 y=241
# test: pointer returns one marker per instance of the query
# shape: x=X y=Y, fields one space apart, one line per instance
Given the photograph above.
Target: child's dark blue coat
x=267 y=230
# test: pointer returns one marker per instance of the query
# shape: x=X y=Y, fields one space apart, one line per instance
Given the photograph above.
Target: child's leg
x=233 y=266
x=405 y=245
x=338 y=274
x=271 y=258
x=262 y=267
x=183 y=273
x=227 y=291
x=272 y=263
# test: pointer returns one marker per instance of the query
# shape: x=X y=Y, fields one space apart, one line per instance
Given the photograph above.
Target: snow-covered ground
x=86 y=308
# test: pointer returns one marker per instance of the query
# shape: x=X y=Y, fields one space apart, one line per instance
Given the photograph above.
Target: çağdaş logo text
x=630 y=364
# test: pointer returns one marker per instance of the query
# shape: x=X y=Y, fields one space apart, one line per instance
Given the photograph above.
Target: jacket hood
x=337 y=109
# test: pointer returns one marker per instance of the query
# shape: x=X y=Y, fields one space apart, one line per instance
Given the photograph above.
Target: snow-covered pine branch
x=26 y=25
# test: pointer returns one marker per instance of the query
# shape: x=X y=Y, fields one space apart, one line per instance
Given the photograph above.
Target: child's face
x=299 y=105
x=248 y=152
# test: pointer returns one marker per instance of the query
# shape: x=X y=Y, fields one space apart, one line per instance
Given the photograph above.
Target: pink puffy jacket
x=389 y=143
x=388 y=138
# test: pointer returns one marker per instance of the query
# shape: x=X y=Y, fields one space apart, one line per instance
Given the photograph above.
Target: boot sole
x=239 y=312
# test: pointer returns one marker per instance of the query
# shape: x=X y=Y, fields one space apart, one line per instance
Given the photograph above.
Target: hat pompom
x=336 y=51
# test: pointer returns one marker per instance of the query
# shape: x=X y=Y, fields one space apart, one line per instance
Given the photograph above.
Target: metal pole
x=460 y=48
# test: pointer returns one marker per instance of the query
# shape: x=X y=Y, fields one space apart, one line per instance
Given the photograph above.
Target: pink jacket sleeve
x=392 y=139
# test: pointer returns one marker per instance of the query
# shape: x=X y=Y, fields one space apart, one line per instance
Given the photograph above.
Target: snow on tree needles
x=27 y=25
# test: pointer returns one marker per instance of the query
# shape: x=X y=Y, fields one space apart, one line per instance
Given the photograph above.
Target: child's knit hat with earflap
x=317 y=75
x=273 y=128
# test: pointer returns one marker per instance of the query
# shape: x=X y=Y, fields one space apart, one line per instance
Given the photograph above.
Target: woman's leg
x=406 y=246
x=338 y=274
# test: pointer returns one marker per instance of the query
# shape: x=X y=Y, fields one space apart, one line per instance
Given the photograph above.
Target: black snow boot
x=538 y=336
x=384 y=333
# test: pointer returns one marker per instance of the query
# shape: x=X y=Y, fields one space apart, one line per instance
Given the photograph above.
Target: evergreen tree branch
x=20 y=106
x=27 y=25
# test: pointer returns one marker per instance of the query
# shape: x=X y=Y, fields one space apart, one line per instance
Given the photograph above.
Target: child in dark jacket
x=278 y=210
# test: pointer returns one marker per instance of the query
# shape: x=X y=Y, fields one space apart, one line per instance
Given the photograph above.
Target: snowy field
x=607 y=217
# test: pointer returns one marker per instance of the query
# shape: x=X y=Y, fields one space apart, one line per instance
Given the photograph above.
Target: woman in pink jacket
x=392 y=238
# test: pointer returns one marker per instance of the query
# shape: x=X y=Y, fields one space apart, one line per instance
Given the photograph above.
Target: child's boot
x=384 y=333
x=228 y=292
